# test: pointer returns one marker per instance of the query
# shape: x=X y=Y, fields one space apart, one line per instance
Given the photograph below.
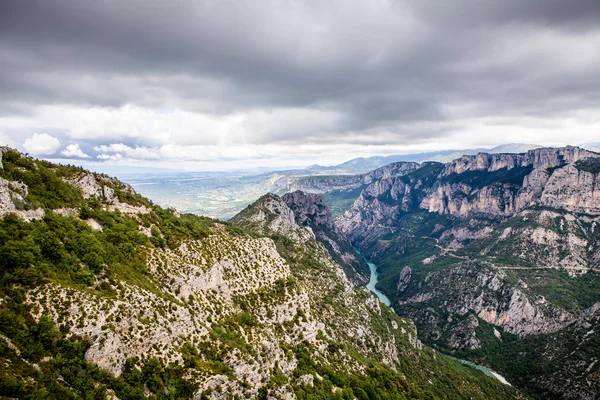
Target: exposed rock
x=310 y=210
x=92 y=223
x=571 y=189
x=87 y=184
x=320 y=184
x=493 y=185
x=542 y=158
x=15 y=192
x=101 y=189
x=272 y=214
x=3 y=149
x=107 y=353
x=404 y=279
x=474 y=290
x=307 y=379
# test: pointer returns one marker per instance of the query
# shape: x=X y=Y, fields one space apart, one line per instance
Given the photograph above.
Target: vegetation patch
x=591 y=164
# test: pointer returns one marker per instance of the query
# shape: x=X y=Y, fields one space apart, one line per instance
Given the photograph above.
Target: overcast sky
x=222 y=84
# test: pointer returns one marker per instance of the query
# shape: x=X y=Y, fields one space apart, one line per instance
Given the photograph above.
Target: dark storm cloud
x=382 y=66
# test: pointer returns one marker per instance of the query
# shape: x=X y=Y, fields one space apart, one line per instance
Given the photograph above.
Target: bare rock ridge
x=543 y=176
x=303 y=217
x=270 y=214
x=498 y=185
x=324 y=184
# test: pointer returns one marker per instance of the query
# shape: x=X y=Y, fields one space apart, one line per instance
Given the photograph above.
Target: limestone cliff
x=496 y=185
x=325 y=184
x=311 y=211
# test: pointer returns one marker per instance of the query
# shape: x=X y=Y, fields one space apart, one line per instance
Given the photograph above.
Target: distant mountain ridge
x=223 y=194
x=363 y=165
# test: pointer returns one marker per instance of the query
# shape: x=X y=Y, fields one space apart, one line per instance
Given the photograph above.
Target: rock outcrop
x=494 y=185
x=325 y=184
x=311 y=211
x=542 y=158
x=570 y=189
x=270 y=214
x=103 y=188
x=13 y=201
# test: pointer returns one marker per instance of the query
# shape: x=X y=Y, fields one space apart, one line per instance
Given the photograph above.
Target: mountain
x=105 y=295
x=341 y=190
x=496 y=257
x=223 y=194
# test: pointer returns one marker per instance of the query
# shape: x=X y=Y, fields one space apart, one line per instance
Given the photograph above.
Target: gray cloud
x=380 y=72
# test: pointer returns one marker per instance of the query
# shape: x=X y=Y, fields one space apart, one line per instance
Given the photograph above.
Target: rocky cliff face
x=512 y=182
x=271 y=214
x=325 y=184
x=471 y=289
x=311 y=211
x=495 y=185
x=574 y=190
x=542 y=158
x=382 y=202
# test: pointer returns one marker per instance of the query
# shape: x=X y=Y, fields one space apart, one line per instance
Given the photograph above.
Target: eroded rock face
x=318 y=184
x=273 y=215
x=542 y=158
x=3 y=149
x=461 y=200
x=571 y=189
x=309 y=209
x=533 y=186
x=377 y=207
x=107 y=353
x=554 y=181
x=13 y=193
x=404 y=279
x=483 y=291
x=493 y=185
x=100 y=188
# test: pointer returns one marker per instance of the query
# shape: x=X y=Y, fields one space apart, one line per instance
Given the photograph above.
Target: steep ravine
x=385 y=300
x=371 y=285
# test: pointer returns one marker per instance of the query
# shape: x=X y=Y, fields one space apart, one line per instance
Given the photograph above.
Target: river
x=373 y=281
x=385 y=300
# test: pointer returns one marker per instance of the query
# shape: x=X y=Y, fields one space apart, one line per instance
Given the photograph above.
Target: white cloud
x=73 y=150
x=113 y=157
x=41 y=143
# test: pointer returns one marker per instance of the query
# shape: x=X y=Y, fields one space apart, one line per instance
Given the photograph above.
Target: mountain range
x=223 y=194
x=489 y=260
x=105 y=295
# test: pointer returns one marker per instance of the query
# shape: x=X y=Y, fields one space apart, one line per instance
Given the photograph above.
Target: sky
x=214 y=85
